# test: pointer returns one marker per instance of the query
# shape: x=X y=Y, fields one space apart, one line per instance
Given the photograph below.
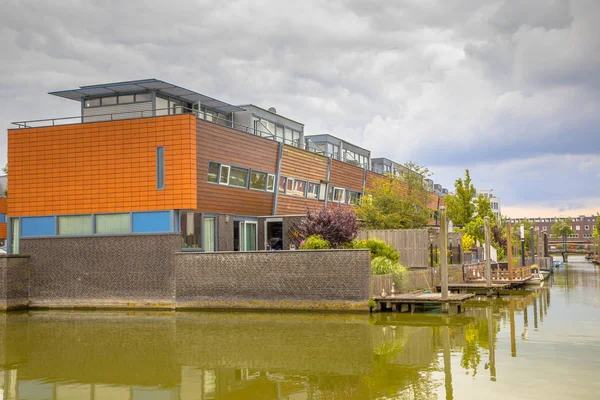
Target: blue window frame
x=160 y=168
x=38 y=226
x=2 y=218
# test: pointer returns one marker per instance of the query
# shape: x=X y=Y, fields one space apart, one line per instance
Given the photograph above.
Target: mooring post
x=532 y=246
x=444 y=257
x=509 y=249
x=488 y=259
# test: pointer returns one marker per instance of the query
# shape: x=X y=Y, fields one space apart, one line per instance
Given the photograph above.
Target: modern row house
x=583 y=226
x=147 y=157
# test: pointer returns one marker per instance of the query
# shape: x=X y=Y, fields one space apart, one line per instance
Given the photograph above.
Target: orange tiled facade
x=102 y=167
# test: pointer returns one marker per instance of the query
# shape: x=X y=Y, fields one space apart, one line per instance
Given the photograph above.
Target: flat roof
x=140 y=86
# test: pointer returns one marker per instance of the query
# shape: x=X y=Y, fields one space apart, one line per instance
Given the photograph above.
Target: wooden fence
x=413 y=244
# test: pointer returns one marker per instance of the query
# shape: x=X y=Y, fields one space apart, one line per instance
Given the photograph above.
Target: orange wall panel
x=3 y=205
x=102 y=167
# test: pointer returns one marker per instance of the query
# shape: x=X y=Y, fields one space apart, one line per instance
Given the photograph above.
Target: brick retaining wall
x=279 y=279
x=102 y=271
x=14 y=282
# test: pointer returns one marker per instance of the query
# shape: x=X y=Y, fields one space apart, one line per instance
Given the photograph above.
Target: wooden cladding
x=227 y=146
x=301 y=164
x=346 y=176
x=289 y=205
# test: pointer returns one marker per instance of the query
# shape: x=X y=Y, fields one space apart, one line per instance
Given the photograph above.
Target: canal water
x=537 y=344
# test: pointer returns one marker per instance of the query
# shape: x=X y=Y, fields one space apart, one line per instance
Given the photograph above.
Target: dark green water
x=544 y=344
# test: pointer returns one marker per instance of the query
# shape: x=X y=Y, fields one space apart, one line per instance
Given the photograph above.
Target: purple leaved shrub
x=338 y=225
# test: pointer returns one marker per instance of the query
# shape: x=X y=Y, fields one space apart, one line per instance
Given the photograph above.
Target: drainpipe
x=277 y=175
x=329 y=162
x=364 y=181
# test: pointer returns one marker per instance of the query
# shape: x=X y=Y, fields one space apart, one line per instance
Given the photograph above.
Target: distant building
x=582 y=225
x=494 y=201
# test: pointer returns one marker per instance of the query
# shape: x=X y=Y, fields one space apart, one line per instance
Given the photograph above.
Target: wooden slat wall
x=221 y=144
x=302 y=164
x=346 y=176
x=288 y=205
x=413 y=244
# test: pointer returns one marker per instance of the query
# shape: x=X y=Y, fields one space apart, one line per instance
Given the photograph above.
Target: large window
x=190 y=224
x=353 y=197
x=209 y=234
x=224 y=179
x=122 y=99
x=289 y=188
x=282 y=184
x=112 y=223
x=75 y=225
x=238 y=177
x=339 y=195
x=258 y=180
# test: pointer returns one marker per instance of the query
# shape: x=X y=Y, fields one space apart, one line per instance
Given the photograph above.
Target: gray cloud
x=450 y=84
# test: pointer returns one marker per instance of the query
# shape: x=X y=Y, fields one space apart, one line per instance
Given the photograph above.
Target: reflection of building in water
x=107 y=355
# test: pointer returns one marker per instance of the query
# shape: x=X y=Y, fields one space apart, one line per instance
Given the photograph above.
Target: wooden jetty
x=476 y=287
x=451 y=304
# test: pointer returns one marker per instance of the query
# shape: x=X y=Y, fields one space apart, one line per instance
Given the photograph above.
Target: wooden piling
x=509 y=252
x=444 y=253
x=488 y=258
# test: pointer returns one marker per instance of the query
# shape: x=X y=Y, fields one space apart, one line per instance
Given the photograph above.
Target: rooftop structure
x=338 y=149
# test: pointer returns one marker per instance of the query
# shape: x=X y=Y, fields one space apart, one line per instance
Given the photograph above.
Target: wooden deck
x=449 y=305
x=475 y=287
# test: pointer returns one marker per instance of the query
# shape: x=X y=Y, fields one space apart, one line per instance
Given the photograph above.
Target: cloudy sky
x=508 y=89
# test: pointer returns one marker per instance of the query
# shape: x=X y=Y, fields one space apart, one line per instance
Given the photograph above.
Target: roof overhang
x=132 y=87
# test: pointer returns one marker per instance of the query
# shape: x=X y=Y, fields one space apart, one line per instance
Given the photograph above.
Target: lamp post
x=522 y=231
x=431 y=251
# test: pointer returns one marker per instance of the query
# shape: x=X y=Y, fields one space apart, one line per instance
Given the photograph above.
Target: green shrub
x=382 y=265
x=378 y=248
x=315 y=242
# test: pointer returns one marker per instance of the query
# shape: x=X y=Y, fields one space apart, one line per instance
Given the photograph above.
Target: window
x=208 y=236
x=2 y=218
x=75 y=225
x=224 y=180
x=213 y=172
x=289 y=137
x=109 y=101
x=330 y=193
x=238 y=177
x=577 y=228
x=190 y=226
x=112 y=223
x=92 y=103
x=160 y=168
x=537 y=228
x=353 y=197
x=258 y=180
x=270 y=183
x=143 y=97
x=587 y=227
x=313 y=190
x=544 y=228
x=282 y=184
x=126 y=99
x=339 y=195
x=299 y=188
x=289 y=187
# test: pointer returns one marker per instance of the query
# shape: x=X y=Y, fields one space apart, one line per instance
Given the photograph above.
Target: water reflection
x=148 y=355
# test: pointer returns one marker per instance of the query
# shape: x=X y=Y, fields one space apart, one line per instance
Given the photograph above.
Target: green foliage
x=474 y=229
x=396 y=201
x=483 y=208
x=596 y=232
x=562 y=229
x=315 y=242
x=460 y=205
x=383 y=265
x=371 y=303
x=378 y=248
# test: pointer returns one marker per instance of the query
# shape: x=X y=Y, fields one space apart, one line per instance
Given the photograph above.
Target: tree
x=460 y=205
x=562 y=229
x=596 y=232
x=396 y=201
x=483 y=208
x=337 y=225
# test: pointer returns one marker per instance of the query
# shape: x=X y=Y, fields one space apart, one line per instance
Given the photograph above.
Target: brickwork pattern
x=14 y=282
x=103 y=270
x=225 y=233
x=326 y=275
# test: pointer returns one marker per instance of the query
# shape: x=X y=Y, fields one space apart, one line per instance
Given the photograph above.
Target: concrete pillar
x=444 y=252
x=488 y=259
